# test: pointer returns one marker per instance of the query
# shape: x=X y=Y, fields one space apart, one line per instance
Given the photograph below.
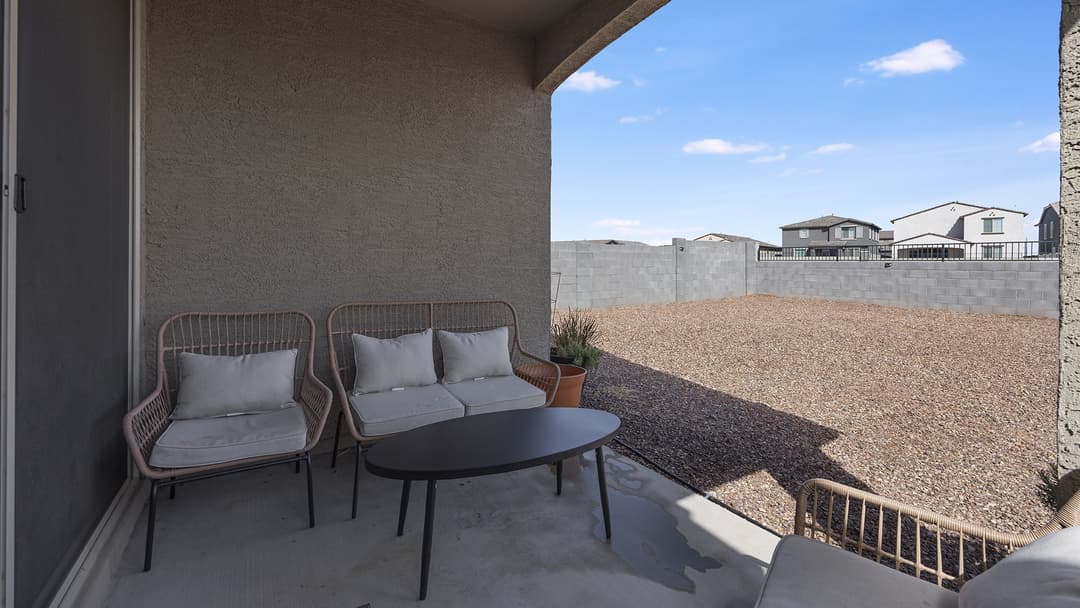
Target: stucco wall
x=1069 y=378
x=943 y=220
x=1012 y=225
x=301 y=154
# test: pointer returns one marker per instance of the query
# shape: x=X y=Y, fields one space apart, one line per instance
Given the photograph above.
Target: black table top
x=491 y=443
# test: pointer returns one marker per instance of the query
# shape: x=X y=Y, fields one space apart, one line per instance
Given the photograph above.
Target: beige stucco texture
x=1069 y=395
x=302 y=154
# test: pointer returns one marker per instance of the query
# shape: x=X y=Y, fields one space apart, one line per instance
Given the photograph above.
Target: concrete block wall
x=711 y=270
x=596 y=275
x=1026 y=288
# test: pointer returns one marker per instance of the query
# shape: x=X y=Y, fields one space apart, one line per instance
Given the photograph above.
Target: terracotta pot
x=568 y=394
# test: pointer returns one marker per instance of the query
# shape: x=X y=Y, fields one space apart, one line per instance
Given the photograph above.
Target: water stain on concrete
x=653 y=546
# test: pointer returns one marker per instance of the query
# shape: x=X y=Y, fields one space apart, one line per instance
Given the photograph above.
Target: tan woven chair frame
x=392 y=319
x=922 y=543
x=224 y=333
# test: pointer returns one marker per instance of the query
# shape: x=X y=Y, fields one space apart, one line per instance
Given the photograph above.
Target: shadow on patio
x=708 y=437
x=503 y=540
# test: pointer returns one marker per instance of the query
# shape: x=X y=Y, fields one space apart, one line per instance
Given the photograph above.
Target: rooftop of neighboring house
x=973 y=209
x=1056 y=207
x=733 y=238
x=828 y=221
x=613 y=242
x=886 y=235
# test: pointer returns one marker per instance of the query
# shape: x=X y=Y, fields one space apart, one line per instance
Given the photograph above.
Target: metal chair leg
x=297 y=471
x=149 y=554
x=558 y=478
x=356 y=480
x=172 y=490
x=337 y=435
x=310 y=491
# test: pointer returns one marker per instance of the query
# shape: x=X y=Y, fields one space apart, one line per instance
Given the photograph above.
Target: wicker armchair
x=392 y=319
x=930 y=546
x=224 y=334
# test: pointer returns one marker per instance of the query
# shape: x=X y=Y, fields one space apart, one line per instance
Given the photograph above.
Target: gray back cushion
x=214 y=385
x=1045 y=574
x=398 y=362
x=483 y=354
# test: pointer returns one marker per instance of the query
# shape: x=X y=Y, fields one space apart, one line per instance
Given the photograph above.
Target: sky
x=741 y=116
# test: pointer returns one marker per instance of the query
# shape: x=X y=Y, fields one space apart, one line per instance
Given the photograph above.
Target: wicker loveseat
x=385 y=320
x=855 y=548
x=210 y=447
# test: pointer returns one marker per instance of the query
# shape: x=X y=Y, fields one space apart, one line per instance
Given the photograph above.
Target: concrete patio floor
x=503 y=540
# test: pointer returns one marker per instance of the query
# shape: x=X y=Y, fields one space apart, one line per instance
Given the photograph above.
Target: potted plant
x=574 y=335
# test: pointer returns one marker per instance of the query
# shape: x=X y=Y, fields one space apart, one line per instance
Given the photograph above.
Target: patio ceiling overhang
x=567 y=32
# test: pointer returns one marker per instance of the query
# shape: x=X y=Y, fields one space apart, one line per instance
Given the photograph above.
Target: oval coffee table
x=485 y=445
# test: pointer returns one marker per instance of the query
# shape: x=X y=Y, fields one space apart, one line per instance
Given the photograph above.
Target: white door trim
x=7 y=305
x=135 y=348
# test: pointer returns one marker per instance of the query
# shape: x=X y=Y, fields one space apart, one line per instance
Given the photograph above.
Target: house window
x=804 y=234
x=847 y=232
x=993 y=252
x=800 y=252
x=993 y=225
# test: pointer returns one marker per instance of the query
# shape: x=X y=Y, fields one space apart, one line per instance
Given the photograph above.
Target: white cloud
x=589 y=81
x=617 y=222
x=638 y=81
x=720 y=146
x=831 y=148
x=1050 y=143
x=930 y=56
x=798 y=172
x=661 y=49
x=630 y=120
x=770 y=159
x=854 y=82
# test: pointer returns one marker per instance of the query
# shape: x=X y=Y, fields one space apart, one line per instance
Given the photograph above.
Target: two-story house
x=831 y=236
x=959 y=230
x=1049 y=229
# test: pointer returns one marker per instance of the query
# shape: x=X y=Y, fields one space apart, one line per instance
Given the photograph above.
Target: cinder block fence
x=595 y=275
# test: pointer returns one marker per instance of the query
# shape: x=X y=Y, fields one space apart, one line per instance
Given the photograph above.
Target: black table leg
x=429 y=523
x=603 y=490
x=405 y=487
x=558 y=478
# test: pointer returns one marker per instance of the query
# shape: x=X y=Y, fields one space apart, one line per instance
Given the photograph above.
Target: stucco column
x=1069 y=382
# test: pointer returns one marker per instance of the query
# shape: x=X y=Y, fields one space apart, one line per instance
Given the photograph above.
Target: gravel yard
x=749 y=397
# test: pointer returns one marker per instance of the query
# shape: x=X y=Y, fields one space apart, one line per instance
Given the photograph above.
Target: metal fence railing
x=1003 y=251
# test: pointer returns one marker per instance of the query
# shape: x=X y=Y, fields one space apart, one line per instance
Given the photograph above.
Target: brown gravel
x=749 y=397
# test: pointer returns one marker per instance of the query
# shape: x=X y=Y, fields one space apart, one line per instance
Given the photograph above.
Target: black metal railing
x=983 y=252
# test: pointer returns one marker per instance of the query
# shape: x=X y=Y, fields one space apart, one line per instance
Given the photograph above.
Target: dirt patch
x=747 y=398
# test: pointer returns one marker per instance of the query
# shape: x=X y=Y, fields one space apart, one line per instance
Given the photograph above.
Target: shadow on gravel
x=708 y=437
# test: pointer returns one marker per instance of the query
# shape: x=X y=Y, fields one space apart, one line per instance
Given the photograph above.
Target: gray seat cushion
x=807 y=574
x=1044 y=574
x=496 y=394
x=204 y=441
x=400 y=410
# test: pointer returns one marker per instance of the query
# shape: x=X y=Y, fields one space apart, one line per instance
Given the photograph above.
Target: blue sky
x=739 y=117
